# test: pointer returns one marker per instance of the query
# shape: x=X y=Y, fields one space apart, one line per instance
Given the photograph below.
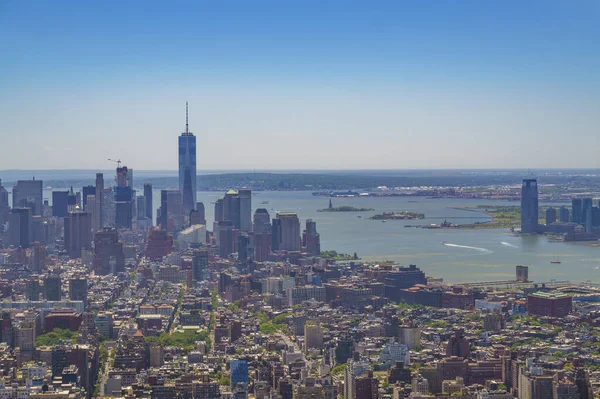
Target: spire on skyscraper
x=186 y=118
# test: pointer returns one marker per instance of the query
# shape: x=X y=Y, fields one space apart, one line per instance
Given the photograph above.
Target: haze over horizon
x=342 y=85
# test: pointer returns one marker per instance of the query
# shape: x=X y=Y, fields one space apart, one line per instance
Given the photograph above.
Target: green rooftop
x=550 y=295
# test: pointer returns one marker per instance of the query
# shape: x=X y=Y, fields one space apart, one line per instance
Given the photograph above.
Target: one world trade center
x=187 y=167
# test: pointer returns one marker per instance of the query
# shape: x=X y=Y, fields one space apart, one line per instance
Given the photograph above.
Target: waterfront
x=470 y=255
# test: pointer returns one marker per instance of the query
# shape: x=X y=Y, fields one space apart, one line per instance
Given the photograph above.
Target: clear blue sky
x=300 y=85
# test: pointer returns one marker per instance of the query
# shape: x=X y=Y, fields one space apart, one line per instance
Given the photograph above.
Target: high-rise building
x=245 y=204
x=225 y=238
x=563 y=214
x=123 y=199
x=231 y=208
x=458 y=345
x=100 y=200
x=38 y=258
x=239 y=378
x=52 y=288
x=201 y=212
x=529 y=206
x=245 y=247
x=587 y=213
x=577 y=210
x=290 y=231
x=85 y=192
x=522 y=273
x=262 y=246
x=313 y=336
x=187 y=167
x=60 y=203
x=78 y=233
x=78 y=289
x=108 y=208
x=20 y=227
x=39 y=231
x=312 y=240
x=28 y=193
x=71 y=200
x=141 y=207
x=199 y=263
x=158 y=244
x=276 y=234
x=262 y=221
x=148 y=198
x=108 y=253
x=219 y=210
x=171 y=212
x=4 y=207
x=3 y=195
x=550 y=215
x=90 y=208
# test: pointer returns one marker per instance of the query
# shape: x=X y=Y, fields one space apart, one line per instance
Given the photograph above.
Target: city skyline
x=400 y=86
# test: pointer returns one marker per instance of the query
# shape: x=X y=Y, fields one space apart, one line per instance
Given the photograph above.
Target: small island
x=398 y=216
x=345 y=209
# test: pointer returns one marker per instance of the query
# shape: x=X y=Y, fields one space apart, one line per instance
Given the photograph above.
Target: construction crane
x=117 y=161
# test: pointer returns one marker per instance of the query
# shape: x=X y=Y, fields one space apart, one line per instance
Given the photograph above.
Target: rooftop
x=550 y=295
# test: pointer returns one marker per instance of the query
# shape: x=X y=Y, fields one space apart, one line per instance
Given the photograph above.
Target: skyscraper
x=4 y=208
x=60 y=203
x=586 y=213
x=290 y=231
x=3 y=195
x=78 y=289
x=550 y=215
x=20 y=227
x=123 y=199
x=239 y=378
x=148 y=198
x=262 y=221
x=171 y=212
x=219 y=210
x=564 y=214
x=108 y=253
x=52 y=287
x=201 y=212
x=187 y=167
x=276 y=234
x=577 y=210
x=529 y=206
x=78 y=232
x=245 y=204
x=231 y=208
x=87 y=190
x=26 y=193
x=312 y=240
x=100 y=199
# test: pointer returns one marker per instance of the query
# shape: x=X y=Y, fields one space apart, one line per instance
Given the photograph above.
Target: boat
x=555 y=260
x=359 y=216
x=383 y=221
x=444 y=243
x=264 y=202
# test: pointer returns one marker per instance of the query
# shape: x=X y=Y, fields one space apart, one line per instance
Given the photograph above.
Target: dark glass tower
x=529 y=206
x=187 y=167
x=148 y=201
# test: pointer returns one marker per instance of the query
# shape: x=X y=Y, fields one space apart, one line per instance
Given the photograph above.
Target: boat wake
x=508 y=244
x=482 y=250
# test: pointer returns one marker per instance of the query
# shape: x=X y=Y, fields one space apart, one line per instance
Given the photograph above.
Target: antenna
x=186 y=118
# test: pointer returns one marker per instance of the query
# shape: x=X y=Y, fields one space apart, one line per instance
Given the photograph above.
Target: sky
x=300 y=84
